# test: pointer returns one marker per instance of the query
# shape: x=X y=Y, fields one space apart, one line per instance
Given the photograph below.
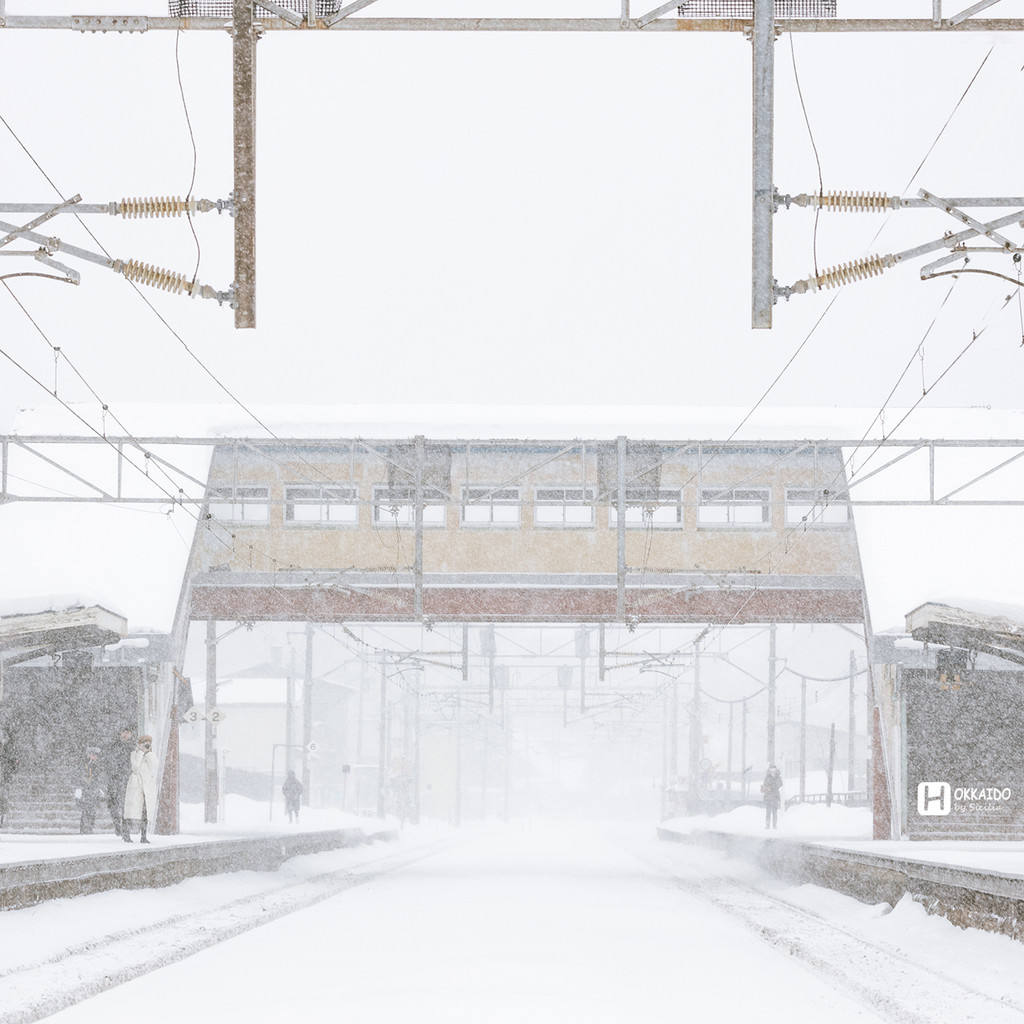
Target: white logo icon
x=934 y=798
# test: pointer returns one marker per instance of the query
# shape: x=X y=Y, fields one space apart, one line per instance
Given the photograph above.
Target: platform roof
x=34 y=630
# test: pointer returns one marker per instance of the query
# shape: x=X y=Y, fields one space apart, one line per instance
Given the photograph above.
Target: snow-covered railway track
x=897 y=986
x=34 y=989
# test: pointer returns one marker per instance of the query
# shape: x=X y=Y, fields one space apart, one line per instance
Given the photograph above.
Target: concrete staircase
x=41 y=803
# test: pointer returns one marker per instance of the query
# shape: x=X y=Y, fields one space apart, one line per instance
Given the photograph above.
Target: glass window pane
x=548 y=514
x=713 y=515
x=301 y=513
x=749 y=514
x=579 y=514
x=506 y=513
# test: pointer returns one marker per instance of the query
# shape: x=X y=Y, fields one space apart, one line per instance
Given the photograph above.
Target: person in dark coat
x=292 y=790
x=119 y=767
x=90 y=792
x=771 y=788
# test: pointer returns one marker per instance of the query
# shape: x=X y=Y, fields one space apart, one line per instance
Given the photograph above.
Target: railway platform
x=34 y=869
x=974 y=884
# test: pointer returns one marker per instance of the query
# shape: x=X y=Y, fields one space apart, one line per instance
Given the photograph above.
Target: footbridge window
x=564 y=506
x=337 y=506
x=396 y=506
x=649 y=507
x=746 y=507
x=240 y=504
x=806 y=506
x=490 y=506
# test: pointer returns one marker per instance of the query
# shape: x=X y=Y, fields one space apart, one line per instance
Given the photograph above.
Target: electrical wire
x=35 y=273
x=935 y=142
x=195 y=157
x=952 y=114
x=972 y=270
x=817 y=158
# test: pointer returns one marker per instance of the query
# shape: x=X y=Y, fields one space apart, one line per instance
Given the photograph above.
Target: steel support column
x=211 y=788
x=696 y=738
x=382 y=740
x=243 y=43
x=770 y=746
x=620 y=532
x=417 y=569
x=307 y=712
x=762 y=287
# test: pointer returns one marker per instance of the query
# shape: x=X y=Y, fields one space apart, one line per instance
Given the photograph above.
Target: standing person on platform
x=292 y=790
x=771 y=788
x=140 y=793
x=119 y=766
x=90 y=793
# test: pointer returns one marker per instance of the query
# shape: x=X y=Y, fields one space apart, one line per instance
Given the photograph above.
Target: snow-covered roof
x=27 y=634
x=526 y=421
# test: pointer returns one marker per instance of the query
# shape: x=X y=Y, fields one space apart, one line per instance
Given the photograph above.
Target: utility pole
x=211 y=790
x=762 y=293
x=803 y=738
x=620 y=529
x=851 y=755
x=743 y=750
x=728 y=759
x=307 y=713
x=582 y=650
x=458 y=759
x=831 y=763
x=771 y=694
x=417 y=558
x=696 y=734
x=416 y=756
x=289 y=713
x=243 y=50
x=382 y=740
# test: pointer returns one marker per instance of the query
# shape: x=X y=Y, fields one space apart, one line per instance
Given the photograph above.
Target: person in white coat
x=140 y=793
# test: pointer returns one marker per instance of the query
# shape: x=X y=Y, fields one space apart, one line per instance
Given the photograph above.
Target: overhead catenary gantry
x=761 y=21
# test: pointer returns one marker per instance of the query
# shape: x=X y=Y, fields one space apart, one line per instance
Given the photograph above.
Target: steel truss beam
x=143 y=23
x=53 y=450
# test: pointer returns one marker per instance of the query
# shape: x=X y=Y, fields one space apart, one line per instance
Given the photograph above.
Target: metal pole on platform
x=458 y=759
x=728 y=759
x=743 y=751
x=620 y=530
x=307 y=713
x=696 y=735
x=289 y=714
x=851 y=754
x=211 y=789
x=770 y=752
x=803 y=738
x=382 y=740
x=417 y=569
x=415 y=818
